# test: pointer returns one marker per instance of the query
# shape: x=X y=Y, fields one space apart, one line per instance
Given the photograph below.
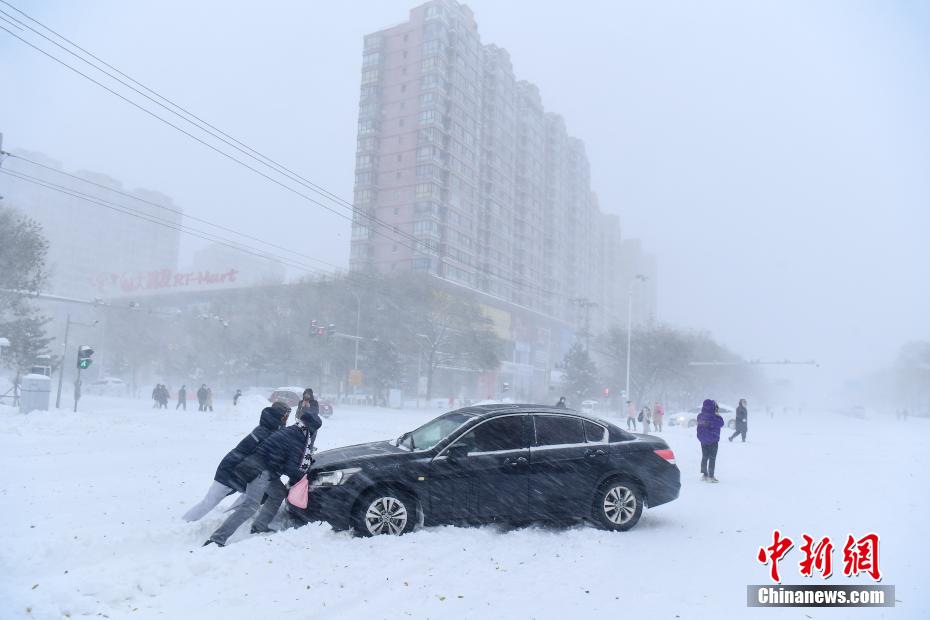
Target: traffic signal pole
x=77 y=382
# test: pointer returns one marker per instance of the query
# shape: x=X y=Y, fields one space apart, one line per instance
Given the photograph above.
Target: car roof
x=489 y=411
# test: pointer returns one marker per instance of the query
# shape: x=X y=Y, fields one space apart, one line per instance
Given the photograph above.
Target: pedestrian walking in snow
x=182 y=398
x=210 y=399
x=165 y=395
x=658 y=414
x=225 y=480
x=202 y=397
x=285 y=453
x=645 y=416
x=742 y=420
x=236 y=397
x=156 y=395
x=561 y=404
x=630 y=415
x=709 y=423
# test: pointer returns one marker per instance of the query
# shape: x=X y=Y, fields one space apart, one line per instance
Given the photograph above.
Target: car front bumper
x=332 y=504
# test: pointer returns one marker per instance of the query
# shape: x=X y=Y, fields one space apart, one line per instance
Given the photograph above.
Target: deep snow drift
x=92 y=504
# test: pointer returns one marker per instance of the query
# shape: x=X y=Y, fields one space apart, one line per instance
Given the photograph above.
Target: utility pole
x=629 y=330
x=584 y=317
x=61 y=366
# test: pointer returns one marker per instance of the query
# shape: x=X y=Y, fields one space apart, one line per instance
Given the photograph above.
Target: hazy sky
x=775 y=156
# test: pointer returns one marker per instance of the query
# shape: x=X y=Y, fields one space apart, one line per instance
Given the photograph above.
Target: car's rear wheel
x=618 y=505
x=385 y=511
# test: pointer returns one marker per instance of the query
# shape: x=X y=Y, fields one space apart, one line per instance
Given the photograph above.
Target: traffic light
x=85 y=353
x=505 y=387
x=318 y=329
x=606 y=392
x=330 y=330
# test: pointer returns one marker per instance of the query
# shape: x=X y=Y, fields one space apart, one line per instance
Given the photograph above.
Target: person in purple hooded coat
x=709 y=423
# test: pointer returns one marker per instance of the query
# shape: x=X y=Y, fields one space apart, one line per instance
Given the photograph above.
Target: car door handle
x=517 y=461
x=593 y=454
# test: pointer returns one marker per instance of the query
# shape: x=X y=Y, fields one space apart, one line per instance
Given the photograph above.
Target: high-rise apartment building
x=462 y=173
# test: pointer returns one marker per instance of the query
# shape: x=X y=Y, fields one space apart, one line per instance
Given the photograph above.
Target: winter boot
x=261 y=530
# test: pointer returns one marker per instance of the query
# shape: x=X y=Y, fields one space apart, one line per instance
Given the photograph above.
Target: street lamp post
x=629 y=330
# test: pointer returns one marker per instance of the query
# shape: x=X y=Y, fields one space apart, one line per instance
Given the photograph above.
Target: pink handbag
x=297 y=495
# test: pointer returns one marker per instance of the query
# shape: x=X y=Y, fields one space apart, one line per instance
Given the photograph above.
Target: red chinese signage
x=160 y=280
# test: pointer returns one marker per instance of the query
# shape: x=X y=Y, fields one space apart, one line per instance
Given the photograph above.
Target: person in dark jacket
x=182 y=398
x=282 y=454
x=236 y=397
x=225 y=481
x=709 y=423
x=202 y=397
x=561 y=404
x=742 y=417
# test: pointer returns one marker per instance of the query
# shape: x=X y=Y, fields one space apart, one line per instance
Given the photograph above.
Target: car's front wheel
x=385 y=512
x=618 y=505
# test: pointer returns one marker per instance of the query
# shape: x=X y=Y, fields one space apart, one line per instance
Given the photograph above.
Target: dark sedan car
x=512 y=463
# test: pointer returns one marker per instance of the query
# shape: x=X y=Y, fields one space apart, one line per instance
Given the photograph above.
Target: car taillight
x=666 y=454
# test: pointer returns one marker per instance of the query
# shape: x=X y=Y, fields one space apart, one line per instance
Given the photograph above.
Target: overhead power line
x=162 y=222
x=173 y=210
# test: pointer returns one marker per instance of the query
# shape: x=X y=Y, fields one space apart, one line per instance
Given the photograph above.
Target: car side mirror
x=457 y=451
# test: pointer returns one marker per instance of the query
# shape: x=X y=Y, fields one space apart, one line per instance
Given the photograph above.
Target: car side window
x=594 y=433
x=553 y=430
x=495 y=435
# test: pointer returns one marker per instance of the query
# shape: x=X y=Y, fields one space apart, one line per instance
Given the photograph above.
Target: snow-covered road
x=91 y=506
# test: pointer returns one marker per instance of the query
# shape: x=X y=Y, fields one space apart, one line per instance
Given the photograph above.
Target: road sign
x=355 y=377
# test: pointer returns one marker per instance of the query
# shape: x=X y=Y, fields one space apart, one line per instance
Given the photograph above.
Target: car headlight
x=333 y=478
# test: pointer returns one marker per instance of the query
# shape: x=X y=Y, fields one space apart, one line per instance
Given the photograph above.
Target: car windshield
x=433 y=431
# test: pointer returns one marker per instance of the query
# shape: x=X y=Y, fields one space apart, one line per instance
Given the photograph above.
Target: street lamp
x=629 y=330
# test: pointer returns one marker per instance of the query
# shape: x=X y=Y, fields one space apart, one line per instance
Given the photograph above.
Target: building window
x=371 y=59
x=359 y=232
x=363 y=196
x=427 y=116
x=373 y=42
x=367 y=125
x=424 y=170
x=364 y=161
x=369 y=143
x=425 y=227
x=363 y=178
x=400 y=122
x=396 y=211
x=403 y=88
x=425 y=190
x=370 y=75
